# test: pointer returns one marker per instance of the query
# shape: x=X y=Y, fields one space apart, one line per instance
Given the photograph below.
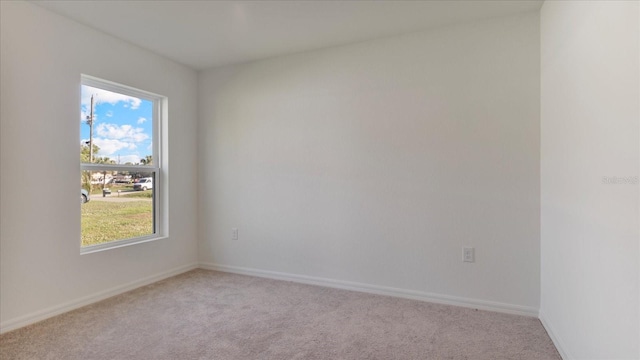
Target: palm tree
x=148 y=160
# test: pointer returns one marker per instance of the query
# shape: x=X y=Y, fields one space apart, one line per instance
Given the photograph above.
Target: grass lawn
x=137 y=194
x=104 y=221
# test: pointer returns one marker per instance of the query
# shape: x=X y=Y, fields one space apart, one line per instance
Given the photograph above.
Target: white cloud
x=101 y=96
x=112 y=139
x=125 y=133
x=141 y=120
x=84 y=115
x=134 y=159
x=113 y=149
x=109 y=113
x=109 y=147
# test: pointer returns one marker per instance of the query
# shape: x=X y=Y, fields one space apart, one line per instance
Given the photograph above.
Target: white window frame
x=158 y=139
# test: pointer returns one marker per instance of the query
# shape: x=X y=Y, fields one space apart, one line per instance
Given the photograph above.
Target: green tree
x=148 y=160
x=85 y=153
x=103 y=160
x=85 y=178
x=84 y=157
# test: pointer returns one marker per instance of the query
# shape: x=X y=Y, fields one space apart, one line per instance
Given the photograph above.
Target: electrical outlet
x=234 y=234
x=468 y=254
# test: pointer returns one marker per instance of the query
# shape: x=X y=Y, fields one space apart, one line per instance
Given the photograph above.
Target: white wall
x=42 y=56
x=375 y=163
x=589 y=230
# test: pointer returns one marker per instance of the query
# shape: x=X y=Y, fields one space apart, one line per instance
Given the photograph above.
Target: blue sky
x=122 y=124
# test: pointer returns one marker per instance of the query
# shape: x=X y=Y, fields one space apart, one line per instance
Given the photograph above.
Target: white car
x=143 y=184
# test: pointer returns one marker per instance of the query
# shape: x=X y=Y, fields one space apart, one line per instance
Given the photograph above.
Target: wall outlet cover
x=468 y=254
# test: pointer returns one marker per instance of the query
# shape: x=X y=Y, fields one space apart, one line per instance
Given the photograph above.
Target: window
x=121 y=174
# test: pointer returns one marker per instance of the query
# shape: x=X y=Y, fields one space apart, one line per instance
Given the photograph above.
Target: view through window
x=119 y=161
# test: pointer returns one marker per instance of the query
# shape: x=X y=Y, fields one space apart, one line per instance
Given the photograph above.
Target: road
x=115 y=198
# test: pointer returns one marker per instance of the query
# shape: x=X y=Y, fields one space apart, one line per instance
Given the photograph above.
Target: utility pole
x=90 y=123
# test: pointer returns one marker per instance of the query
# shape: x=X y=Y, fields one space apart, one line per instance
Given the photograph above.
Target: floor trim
x=90 y=299
x=380 y=290
x=554 y=337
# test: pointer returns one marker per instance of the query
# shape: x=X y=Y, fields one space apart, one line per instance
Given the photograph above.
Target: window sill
x=119 y=244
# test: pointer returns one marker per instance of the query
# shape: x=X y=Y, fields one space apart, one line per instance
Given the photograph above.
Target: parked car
x=143 y=184
x=84 y=196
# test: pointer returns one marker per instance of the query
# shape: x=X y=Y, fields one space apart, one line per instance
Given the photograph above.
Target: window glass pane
x=115 y=128
x=119 y=168
x=119 y=205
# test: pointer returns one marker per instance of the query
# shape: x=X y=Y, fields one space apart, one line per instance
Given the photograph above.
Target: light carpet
x=213 y=315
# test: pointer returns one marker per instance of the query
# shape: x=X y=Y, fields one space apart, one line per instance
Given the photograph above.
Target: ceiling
x=205 y=34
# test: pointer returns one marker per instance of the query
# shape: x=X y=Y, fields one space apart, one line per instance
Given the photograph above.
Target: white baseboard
x=554 y=337
x=380 y=290
x=90 y=299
